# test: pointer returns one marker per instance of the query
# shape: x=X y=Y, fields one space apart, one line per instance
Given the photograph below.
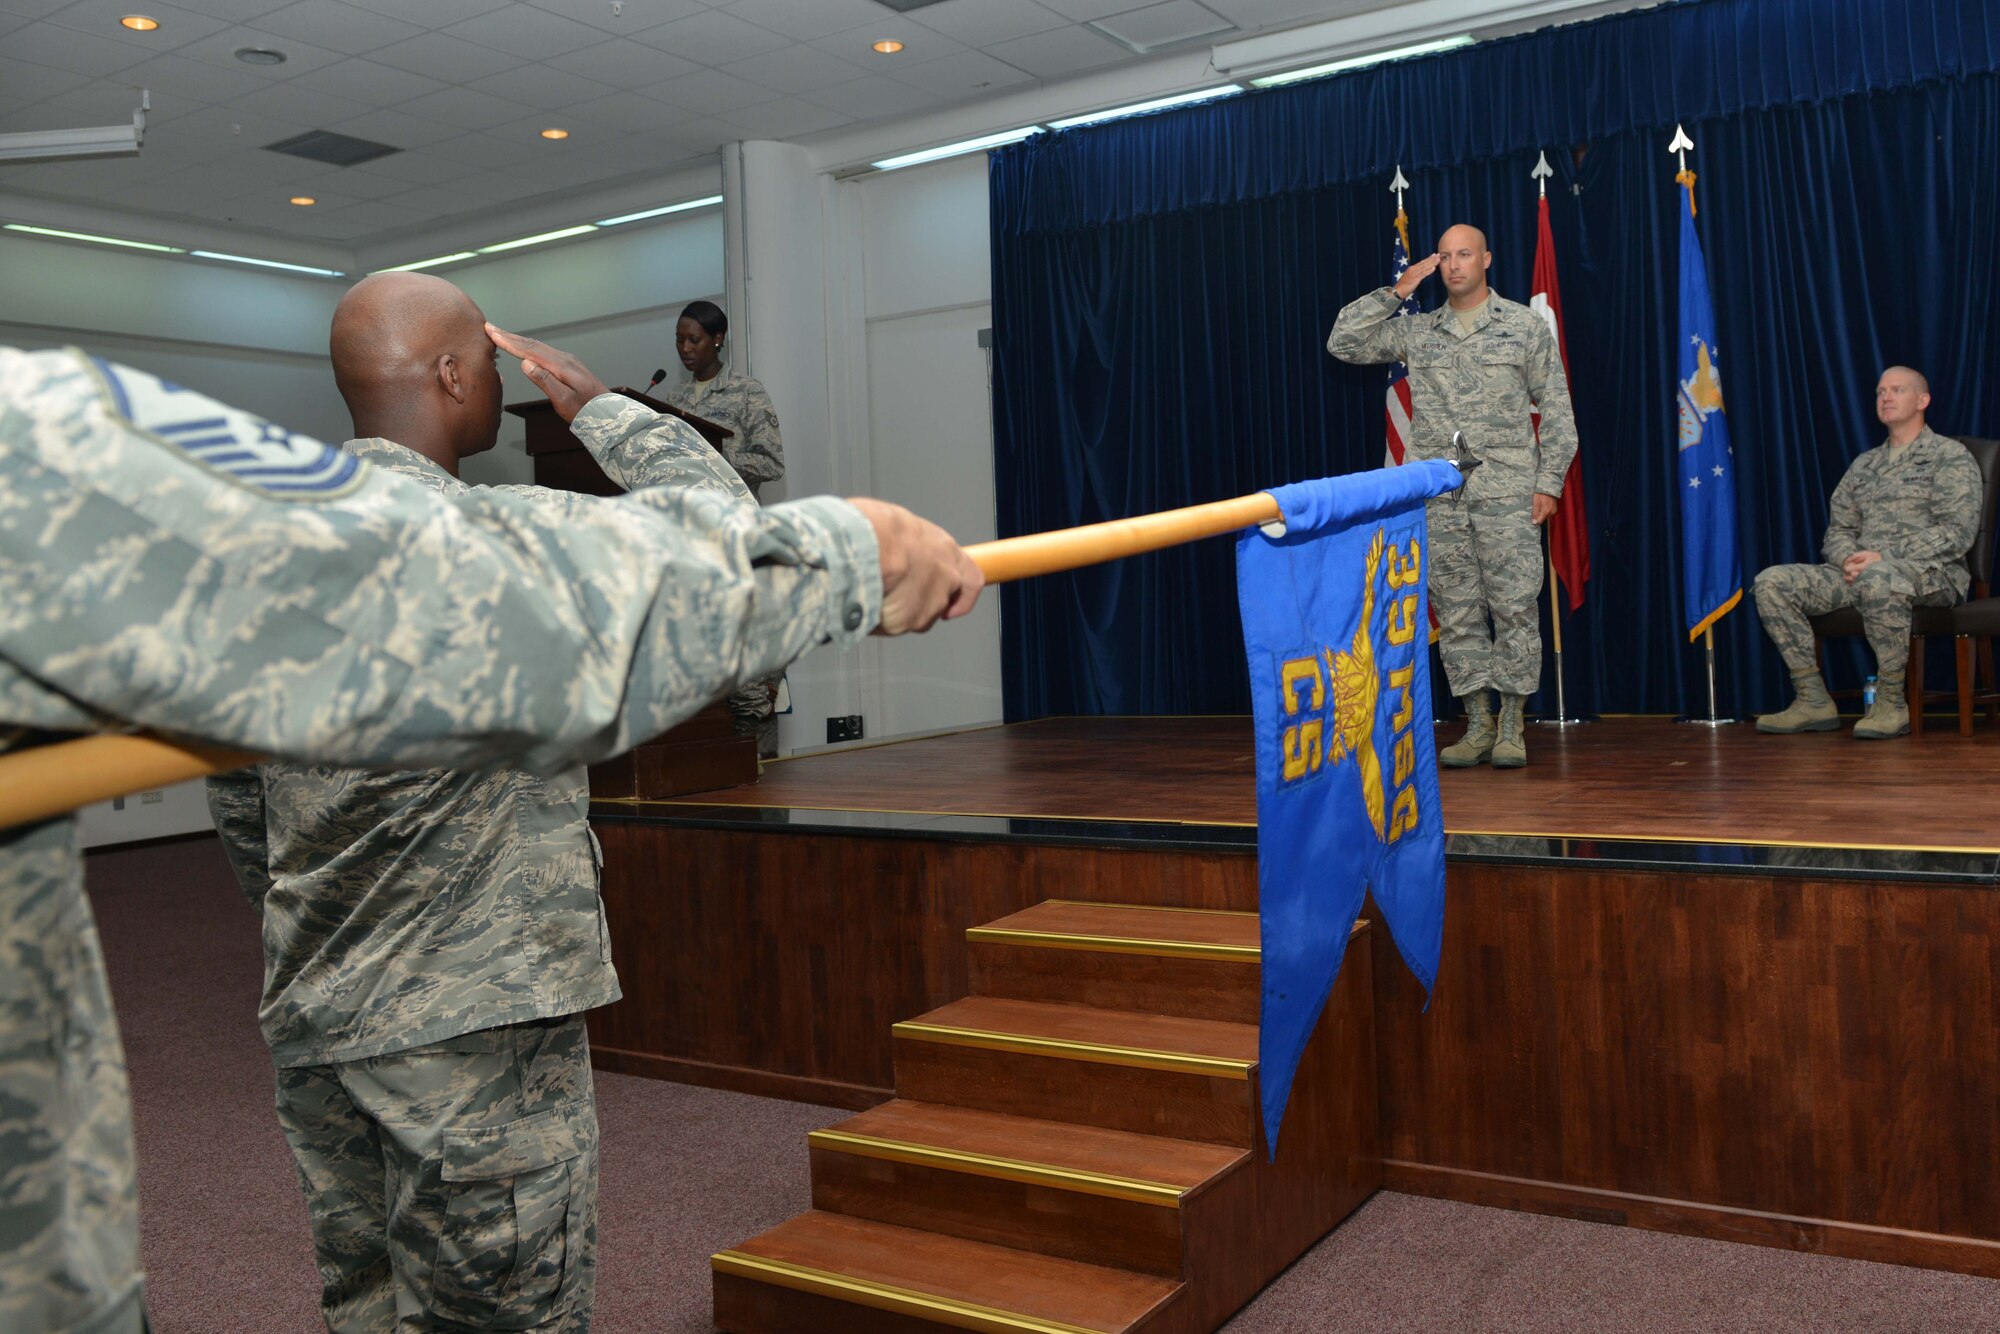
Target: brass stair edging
x=1163 y=949
x=1001 y=1169
x=1068 y=1050
x=1150 y=907
x=886 y=1296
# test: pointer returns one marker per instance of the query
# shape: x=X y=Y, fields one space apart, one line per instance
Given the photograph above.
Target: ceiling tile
x=694 y=135
x=1050 y=55
x=382 y=217
x=346 y=182
x=47 y=116
x=710 y=92
x=338 y=27
x=216 y=131
x=417 y=167
x=786 y=118
x=432 y=13
x=397 y=128
x=69 y=180
x=63 y=48
x=626 y=113
x=288 y=101
x=178 y=76
x=483 y=150
x=795 y=68
x=984 y=22
x=713 y=38
x=177 y=27
x=634 y=16
x=803 y=20
x=583 y=135
x=331 y=227
x=230 y=11
x=623 y=64
x=444 y=56
x=32 y=83
x=1086 y=9
x=867 y=99
x=34 y=9
x=964 y=75
x=1172 y=23
x=527 y=32
x=367 y=82
x=541 y=86
x=462 y=107
x=919 y=44
x=221 y=48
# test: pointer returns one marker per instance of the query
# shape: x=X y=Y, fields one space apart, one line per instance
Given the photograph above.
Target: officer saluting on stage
x=1481 y=364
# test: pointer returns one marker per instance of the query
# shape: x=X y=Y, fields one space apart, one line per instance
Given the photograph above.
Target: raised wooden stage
x=1694 y=979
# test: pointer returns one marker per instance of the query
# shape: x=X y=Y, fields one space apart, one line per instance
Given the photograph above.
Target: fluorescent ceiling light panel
x=99 y=240
x=537 y=240
x=268 y=263
x=985 y=141
x=1157 y=104
x=93 y=141
x=662 y=212
x=429 y=263
x=1356 y=62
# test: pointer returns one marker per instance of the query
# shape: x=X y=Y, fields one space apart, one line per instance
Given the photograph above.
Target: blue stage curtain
x=1163 y=290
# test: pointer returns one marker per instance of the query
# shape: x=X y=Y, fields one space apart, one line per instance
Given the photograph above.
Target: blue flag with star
x=1335 y=614
x=1711 y=574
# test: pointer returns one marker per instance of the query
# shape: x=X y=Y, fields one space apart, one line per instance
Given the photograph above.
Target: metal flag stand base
x=1714 y=719
x=1562 y=718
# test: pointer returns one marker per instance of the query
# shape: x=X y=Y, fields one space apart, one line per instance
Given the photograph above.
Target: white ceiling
x=645 y=87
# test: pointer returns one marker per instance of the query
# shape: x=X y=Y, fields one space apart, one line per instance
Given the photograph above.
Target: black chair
x=1959 y=623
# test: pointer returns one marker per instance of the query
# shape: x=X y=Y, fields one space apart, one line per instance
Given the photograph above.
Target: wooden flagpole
x=43 y=782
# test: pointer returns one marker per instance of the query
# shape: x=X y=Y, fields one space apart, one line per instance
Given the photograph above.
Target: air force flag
x=1335 y=613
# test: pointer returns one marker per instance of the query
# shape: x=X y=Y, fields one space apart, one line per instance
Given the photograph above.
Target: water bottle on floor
x=1868 y=693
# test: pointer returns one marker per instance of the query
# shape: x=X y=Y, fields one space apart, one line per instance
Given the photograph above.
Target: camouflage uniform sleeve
x=759 y=454
x=1843 y=520
x=1548 y=385
x=638 y=447
x=1366 y=332
x=265 y=591
x=236 y=804
x=1954 y=509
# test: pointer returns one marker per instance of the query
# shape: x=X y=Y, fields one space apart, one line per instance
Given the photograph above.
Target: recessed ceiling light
x=555 y=134
x=259 y=55
x=304 y=201
x=138 y=23
x=888 y=47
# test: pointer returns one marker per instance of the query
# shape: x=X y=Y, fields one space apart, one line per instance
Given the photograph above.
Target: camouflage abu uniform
x=740 y=403
x=403 y=914
x=171 y=562
x=1486 y=558
x=1917 y=504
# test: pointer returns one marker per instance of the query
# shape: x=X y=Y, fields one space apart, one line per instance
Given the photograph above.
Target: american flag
x=1397 y=401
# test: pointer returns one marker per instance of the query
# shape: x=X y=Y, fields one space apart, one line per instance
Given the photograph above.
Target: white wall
x=927 y=293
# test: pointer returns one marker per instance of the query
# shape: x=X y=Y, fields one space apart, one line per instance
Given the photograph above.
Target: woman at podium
x=718 y=393
x=755 y=451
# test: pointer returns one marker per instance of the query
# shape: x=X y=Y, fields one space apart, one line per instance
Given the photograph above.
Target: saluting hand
x=567 y=381
x=925 y=574
x=1415 y=274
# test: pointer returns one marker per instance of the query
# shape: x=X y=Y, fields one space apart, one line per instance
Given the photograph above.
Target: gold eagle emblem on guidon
x=1357 y=687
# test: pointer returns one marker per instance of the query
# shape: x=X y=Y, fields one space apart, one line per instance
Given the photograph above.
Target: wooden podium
x=704 y=752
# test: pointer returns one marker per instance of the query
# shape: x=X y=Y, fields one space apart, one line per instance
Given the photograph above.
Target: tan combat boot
x=1811 y=709
x=1477 y=743
x=1510 y=749
x=1888 y=716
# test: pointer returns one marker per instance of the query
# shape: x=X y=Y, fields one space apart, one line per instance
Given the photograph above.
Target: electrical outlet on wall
x=846 y=728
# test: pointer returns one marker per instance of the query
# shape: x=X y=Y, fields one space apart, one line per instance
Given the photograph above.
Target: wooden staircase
x=1075 y=1148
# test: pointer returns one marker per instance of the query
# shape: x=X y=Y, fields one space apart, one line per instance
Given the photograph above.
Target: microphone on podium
x=658 y=376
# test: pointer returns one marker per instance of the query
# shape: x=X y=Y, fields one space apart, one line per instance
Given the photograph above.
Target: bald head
x=413 y=362
x=1462 y=262
x=1901 y=397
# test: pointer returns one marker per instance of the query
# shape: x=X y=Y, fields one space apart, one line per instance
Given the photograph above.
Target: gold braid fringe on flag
x=43 y=782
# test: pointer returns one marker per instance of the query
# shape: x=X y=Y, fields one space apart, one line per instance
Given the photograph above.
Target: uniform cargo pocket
x=515 y=1205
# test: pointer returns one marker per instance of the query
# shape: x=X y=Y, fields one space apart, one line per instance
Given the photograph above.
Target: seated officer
x=1903 y=518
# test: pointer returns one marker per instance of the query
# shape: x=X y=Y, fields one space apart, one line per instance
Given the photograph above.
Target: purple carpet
x=687 y=1172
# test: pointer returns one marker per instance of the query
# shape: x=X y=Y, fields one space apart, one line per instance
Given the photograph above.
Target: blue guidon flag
x=1711 y=574
x=1334 y=617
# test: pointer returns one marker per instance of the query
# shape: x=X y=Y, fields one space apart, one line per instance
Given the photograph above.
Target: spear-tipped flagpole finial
x=1398 y=185
x=1542 y=172
x=1681 y=145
